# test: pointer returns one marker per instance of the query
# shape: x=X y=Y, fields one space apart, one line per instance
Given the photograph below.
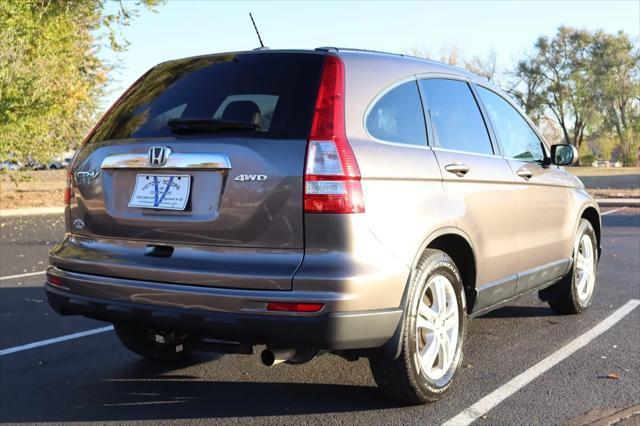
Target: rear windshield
x=271 y=94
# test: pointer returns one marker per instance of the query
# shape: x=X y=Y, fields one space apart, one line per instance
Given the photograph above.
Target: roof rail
x=351 y=49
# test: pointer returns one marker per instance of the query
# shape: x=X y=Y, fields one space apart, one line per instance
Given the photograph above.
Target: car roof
x=412 y=64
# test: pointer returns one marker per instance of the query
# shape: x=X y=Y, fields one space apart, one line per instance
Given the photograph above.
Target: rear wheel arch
x=458 y=246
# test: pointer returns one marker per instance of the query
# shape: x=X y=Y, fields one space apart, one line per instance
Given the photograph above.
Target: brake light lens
x=294 y=307
x=68 y=190
x=55 y=280
x=332 y=176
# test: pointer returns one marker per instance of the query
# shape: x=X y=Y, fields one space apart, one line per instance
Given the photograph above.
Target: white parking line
x=485 y=404
x=28 y=274
x=46 y=342
x=613 y=211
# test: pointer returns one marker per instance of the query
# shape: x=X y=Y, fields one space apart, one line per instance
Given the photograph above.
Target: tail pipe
x=271 y=357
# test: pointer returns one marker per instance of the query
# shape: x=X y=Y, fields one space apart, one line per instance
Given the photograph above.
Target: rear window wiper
x=197 y=125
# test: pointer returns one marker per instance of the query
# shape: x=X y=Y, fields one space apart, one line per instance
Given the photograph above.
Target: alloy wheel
x=437 y=323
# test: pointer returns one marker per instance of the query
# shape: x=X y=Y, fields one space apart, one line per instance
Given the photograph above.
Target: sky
x=181 y=28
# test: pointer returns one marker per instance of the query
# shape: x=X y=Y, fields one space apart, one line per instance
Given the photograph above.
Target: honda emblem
x=158 y=155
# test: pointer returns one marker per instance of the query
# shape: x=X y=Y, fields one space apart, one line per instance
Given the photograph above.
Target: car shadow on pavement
x=180 y=399
x=133 y=389
x=95 y=379
x=145 y=390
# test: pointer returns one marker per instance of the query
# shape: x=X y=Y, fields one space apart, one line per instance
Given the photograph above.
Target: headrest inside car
x=242 y=112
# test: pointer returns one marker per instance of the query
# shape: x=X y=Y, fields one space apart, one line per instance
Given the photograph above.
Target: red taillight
x=55 y=280
x=332 y=176
x=68 y=190
x=294 y=307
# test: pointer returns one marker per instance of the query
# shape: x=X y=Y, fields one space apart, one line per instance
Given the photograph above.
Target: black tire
x=563 y=296
x=141 y=340
x=402 y=378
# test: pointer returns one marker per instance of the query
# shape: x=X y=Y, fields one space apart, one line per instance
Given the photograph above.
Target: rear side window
x=516 y=137
x=455 y=116
x=271 y=94
x=397 y=116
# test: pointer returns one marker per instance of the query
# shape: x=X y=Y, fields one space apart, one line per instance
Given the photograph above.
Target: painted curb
x=31 y=211
x=618 y=202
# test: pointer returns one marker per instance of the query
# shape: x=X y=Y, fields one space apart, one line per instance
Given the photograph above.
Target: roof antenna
x=257 y=32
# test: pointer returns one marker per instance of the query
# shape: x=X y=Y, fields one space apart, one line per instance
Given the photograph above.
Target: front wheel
x=574 y=293
x=433 y=335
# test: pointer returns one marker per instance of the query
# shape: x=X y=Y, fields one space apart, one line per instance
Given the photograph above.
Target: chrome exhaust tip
x=270 y=357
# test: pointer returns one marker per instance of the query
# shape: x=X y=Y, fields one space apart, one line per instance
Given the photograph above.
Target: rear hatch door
x=205 y=151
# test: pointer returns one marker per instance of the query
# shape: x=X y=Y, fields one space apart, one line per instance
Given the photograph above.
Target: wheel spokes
x=437 y=323
x=425 y=311
x=444 y=352
x=451 y=320
x=430 y=352
x=440 y=296
x=423 y=323
x=585 y=267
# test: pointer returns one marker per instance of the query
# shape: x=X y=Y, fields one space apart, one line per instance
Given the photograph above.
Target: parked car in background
x=362 y=203
x=31 y=164
x=9 y=165
x=55 y=165
x=61 y=161
x=58 y=162
x=601 y=163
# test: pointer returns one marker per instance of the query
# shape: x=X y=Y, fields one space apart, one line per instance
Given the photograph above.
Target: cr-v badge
x=248 y=178
x=88 y=176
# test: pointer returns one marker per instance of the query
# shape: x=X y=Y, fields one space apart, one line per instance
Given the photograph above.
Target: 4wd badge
x=249 y=178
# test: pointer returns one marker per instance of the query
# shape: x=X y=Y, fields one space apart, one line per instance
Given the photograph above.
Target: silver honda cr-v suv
x=355 y=202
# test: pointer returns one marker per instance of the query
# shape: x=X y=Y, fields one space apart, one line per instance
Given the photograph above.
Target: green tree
x=615 y=89
x=589 y=82
x=564 y=64
x=51 y=77
x=528 y=89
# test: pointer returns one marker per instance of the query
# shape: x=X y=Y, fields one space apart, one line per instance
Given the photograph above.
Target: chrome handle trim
x=186 y=160
x=457 y=168
x=525 y=174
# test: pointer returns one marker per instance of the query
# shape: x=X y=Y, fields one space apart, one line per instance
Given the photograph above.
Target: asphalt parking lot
x=94 y=379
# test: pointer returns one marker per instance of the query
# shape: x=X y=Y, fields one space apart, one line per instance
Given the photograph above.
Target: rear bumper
x=236 y=315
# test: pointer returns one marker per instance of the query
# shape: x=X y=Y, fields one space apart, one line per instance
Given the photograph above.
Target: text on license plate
x=170 y=192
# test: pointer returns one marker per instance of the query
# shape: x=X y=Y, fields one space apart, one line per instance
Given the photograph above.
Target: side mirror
x=564 y=155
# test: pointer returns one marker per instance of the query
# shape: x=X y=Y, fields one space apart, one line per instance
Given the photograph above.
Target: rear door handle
x=458 y=169
x=525 y=173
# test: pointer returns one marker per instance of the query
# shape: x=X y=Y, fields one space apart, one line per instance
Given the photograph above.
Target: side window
x=455 y=116
x=515 y=135
x=397 y=116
